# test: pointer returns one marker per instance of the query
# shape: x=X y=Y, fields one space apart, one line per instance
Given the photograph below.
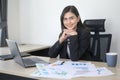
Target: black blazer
x=79 y=46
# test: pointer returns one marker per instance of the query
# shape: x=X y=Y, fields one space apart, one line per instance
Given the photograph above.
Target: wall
x=13 y=20
x=37 y=21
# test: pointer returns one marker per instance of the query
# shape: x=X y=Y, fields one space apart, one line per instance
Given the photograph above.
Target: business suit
x=79 y=46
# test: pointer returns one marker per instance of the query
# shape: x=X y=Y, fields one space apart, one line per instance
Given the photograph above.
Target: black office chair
x=100 y=43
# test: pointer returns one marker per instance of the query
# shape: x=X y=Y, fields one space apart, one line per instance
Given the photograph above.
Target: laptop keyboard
x=29 y=62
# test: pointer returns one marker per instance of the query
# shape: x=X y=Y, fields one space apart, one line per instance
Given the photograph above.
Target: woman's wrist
x=60 y=41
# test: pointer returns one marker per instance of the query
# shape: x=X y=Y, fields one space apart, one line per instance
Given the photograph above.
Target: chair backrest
x=100 y=44
x=95 y=25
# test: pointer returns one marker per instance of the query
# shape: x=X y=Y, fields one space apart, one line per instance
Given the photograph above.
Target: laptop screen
x=15 y=51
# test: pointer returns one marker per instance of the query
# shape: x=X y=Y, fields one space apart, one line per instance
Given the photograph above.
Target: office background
x=38 y=21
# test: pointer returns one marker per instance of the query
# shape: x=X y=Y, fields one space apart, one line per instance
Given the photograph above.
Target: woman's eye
x=71 y=17
x=65 y=19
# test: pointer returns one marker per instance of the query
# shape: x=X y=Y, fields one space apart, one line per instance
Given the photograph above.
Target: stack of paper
x=70 y=69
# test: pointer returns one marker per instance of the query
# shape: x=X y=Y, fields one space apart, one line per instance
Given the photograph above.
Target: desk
x=10 y=67
x=23 y=48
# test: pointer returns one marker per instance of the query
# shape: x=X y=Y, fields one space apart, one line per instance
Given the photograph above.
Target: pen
x=62 y=63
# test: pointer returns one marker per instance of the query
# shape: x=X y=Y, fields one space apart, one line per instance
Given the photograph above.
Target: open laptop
x=25 y=62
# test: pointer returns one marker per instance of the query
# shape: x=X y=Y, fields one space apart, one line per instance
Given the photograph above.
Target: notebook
x=25 y=62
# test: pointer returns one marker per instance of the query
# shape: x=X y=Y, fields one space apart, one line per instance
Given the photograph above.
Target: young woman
x=74 y=40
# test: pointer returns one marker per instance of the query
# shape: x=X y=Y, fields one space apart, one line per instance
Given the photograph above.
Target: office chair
x=100 y=43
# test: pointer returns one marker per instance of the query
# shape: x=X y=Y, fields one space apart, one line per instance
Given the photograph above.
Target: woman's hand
x=66 y=33
x=70 y=32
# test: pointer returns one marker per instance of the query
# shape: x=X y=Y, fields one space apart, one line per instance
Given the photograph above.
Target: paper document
x=70 y=69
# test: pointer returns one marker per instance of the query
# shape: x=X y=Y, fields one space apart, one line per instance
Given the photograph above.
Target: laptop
x=26 y=61
x=10 y=56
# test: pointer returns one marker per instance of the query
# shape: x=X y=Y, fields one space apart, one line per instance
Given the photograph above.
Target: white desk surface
x=10 y=67
x=24 y=48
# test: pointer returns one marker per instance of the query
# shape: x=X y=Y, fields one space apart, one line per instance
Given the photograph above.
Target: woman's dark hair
x=72 y=9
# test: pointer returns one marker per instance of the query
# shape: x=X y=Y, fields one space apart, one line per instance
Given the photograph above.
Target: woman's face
x=70 y=20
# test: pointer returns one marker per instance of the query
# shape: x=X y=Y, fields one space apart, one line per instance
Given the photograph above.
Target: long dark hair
x=72 y=9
